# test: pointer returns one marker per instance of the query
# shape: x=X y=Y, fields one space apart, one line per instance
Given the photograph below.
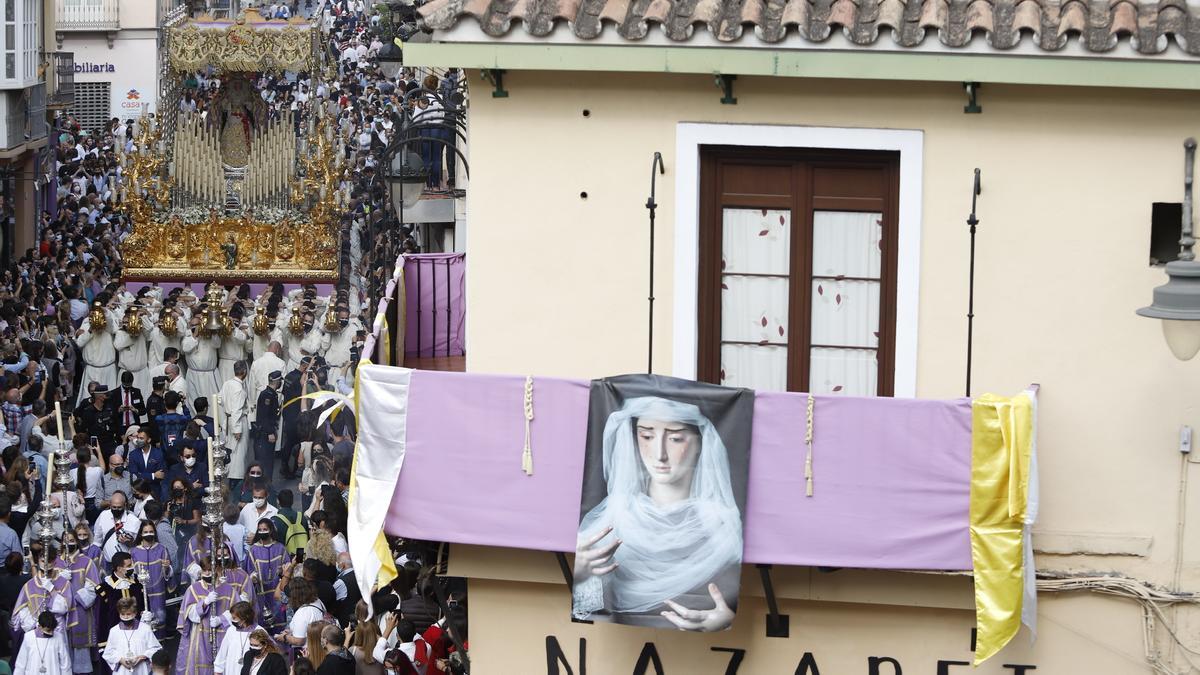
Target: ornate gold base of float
x=223 y=276
x=231 y=249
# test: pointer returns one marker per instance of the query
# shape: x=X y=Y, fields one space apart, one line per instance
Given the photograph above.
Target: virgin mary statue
x=240 y=111
x=664 y=548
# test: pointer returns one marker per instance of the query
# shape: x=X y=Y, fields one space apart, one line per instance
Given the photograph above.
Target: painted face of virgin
x=668 y=450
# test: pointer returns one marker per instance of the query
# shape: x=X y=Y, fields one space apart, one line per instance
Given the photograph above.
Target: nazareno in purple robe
x=157 y=563
x=267 y=562
x=196 y=649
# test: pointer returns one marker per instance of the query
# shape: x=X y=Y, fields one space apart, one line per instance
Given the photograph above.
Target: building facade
x=848 y=137
x=115 y=46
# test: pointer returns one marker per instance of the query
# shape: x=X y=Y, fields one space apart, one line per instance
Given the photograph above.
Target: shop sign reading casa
x=650 y=663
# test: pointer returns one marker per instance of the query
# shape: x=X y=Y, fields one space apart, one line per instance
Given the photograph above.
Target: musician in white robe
x=131 y=643
x=98 y=351
x=235 y=425
x=159 y=341
x=337 y=353
x=203 y=355
x=233 y=347
x=133 y=352
x=261 y=343
x=43 y=652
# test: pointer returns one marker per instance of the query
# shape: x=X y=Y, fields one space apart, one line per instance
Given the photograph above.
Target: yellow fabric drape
x=387 y=570
x=385 y=356
x=1001 y=447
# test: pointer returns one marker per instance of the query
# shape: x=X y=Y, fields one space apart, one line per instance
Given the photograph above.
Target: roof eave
x=1072 y=71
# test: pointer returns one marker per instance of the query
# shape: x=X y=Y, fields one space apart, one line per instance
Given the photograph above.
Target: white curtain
x=755 y=245
x=754 y=309
x=845 y=312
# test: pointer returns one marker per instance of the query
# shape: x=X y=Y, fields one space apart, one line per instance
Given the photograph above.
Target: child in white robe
x=131 y=643
x=42 y=652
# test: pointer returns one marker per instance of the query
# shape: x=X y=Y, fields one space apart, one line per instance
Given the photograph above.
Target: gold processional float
x=235 y=195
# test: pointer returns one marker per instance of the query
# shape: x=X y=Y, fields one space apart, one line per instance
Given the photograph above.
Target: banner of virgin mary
x=663 y=501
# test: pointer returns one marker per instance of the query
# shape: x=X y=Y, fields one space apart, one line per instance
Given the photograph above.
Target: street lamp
x=1177 y=302
x=408 y=173
x=392 y=16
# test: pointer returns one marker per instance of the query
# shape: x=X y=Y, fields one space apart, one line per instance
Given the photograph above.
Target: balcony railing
x=87 y=15
x=26 y=120
x=63 y=94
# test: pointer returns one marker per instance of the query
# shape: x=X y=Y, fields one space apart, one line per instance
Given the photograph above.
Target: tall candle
x=58 y=422
x=212 y=472
x=217 y=416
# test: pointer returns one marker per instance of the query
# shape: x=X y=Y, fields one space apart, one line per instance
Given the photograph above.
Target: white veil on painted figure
x=665 y=551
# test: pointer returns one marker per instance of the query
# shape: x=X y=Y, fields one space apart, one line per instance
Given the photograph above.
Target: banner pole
x=656 y=163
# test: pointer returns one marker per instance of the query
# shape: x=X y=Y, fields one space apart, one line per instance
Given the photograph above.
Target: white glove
x=210 y=598
x=214 y=621
x=148 y=616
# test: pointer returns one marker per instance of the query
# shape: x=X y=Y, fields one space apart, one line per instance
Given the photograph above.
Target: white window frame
x=690 y=136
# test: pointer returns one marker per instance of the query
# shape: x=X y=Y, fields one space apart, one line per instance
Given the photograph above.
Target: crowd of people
x=133 y=389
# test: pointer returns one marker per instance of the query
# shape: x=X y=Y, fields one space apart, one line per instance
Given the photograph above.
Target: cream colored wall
x=557 y=286
x=139 y=14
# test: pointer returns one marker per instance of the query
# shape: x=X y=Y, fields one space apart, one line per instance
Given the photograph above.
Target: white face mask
x=259 y=503
x=189 y=462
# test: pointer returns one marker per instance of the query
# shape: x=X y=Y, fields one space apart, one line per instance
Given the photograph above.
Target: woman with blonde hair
x=363 y=639
x=313 y=651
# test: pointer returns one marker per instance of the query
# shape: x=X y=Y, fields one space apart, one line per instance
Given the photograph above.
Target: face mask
x=149 y=538
x=119 y=469
x=207 y=578
x=263 y=536
x=139 y=443
x=253 y=653
x=118 y=513
x=82 y=541
x=177 y=493
x=189 y=462
x=259 y=503
x=129 y=621
x=71 y=548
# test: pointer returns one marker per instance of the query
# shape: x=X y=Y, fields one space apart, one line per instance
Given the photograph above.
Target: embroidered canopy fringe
x=1001 y=451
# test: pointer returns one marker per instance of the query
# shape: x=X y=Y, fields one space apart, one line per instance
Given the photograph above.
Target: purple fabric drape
x=435 y=304
x=891 y=476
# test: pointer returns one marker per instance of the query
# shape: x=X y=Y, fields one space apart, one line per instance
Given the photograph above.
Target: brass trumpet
x=260 y=323
x=132 y=323
x=98 y=318
x=332 y=325
x=168 y=324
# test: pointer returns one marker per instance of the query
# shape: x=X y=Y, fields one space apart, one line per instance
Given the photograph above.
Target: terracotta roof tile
x=1151 y=25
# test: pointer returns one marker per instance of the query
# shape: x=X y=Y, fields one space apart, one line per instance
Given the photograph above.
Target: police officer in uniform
x=266 y=424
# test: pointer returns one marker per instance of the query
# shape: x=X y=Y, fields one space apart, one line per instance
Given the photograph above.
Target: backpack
x=295 y=537
x=326 y=616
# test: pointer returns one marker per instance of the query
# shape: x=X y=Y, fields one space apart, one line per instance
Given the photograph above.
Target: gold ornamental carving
x=248 y=43
x=302 y=244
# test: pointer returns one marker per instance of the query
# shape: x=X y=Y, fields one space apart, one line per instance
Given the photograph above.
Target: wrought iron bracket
x=777 y=624
x=569 y=577
x=972 y=89
x=496 y=77
x=725 y=83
